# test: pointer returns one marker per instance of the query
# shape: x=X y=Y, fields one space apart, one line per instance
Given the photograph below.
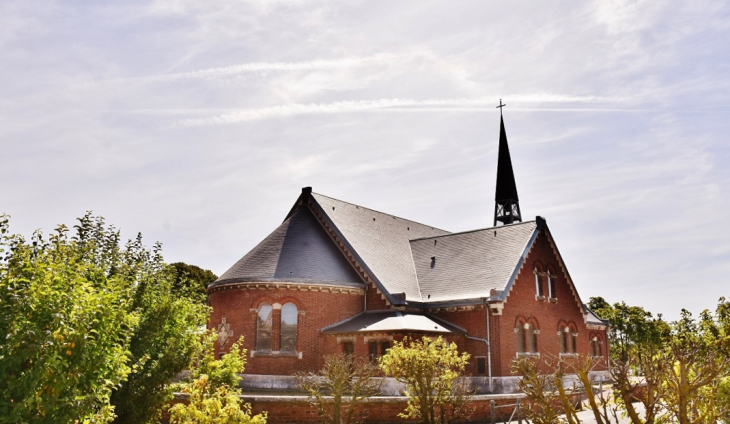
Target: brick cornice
x=287 y=285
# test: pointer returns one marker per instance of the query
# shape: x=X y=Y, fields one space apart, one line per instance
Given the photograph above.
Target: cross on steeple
x=500 y=107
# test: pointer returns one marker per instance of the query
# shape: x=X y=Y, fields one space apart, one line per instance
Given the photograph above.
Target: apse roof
x=299 y=249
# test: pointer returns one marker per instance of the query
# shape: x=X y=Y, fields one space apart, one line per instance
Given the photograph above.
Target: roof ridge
x=382 y=213
x=472 y=231
x=415 y=271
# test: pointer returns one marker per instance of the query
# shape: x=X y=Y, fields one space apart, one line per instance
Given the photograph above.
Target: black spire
x=507 y=203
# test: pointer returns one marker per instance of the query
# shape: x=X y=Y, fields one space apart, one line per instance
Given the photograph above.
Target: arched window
x=531 y=338
x=289 y=316
x=538 y=283
x=551 y=283
x=264 y=327
x=596 y=345
x=520 y=331
x=526 y=332
x=568 y=335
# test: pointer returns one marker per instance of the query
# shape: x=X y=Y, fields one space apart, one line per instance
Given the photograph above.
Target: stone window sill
x=275 y=354
x=568 y=355
x=528 y=354
x=553 y=300
x=540 y=298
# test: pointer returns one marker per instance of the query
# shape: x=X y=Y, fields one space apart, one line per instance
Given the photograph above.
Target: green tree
x=340 y=387
x=432 y=373
x=696 y=351
x=93 y=331
x=192 y=281
x=213 y=393
x=637 y=340
x=66 y=327
x=679 y=370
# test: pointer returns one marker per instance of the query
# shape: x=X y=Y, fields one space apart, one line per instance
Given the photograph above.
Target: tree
x=162 y=345
x=192 y=281
x=698 y=366
x=92 y=328
x=340 y=387
x=65 y=329
x=213 y=393
x=679 y=371
x=546 y=392
x=636 y=339
x=431 y=371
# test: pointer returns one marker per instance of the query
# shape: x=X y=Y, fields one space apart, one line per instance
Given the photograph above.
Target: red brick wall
x=376 y=300
x=317 y=310
x=475 y=322
x=521 y=301
x=380 y=410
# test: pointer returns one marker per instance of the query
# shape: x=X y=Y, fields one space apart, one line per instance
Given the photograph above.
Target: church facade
x=336 y=277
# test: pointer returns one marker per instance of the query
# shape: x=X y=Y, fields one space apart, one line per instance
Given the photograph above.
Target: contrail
x=394 y=104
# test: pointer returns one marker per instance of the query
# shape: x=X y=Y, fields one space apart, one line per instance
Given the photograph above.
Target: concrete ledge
x=389 y=386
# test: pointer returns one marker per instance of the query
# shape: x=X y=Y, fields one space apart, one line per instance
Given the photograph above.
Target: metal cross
x=500 y=106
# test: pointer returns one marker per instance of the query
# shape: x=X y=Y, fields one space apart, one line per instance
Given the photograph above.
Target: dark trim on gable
x=540 y=225
x=301 y=201
x=366 y=273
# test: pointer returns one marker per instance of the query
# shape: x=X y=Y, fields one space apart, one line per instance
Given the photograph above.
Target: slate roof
x=396 y=252
x=388 y=321
x=299 y=249
x=469 y=265
x=381 y=240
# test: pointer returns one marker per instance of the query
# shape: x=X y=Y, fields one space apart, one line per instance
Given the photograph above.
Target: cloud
x=262 y=67
x=399 y=105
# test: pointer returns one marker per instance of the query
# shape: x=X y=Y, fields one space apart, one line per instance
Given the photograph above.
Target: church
x=336 y=277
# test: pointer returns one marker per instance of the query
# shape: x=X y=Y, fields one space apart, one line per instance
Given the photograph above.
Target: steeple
x=507 y=203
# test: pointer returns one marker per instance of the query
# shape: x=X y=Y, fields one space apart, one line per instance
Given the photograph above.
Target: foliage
x=698 y=363
x=162 y=345
x=340 y=387
x=431 y=371
x=546 y=392
x=192 y=281
x=91 y=328
x=636 y=340
x=682 y=368
x=213 y=392
x=66 y=326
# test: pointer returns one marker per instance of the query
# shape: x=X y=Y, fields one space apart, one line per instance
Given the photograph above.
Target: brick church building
x=338 y=277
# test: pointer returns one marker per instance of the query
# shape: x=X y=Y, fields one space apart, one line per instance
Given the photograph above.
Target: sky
x=198 y=123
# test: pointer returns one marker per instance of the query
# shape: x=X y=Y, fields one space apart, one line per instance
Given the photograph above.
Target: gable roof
x=471 y=264
x=381 y=241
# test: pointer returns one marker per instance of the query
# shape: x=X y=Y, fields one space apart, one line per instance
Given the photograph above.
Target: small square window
x=481 y=365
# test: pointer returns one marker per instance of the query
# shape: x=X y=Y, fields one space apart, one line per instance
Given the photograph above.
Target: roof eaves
x=447 y=303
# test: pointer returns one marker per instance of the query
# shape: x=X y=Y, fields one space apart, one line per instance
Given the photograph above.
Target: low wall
x=389 y=386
